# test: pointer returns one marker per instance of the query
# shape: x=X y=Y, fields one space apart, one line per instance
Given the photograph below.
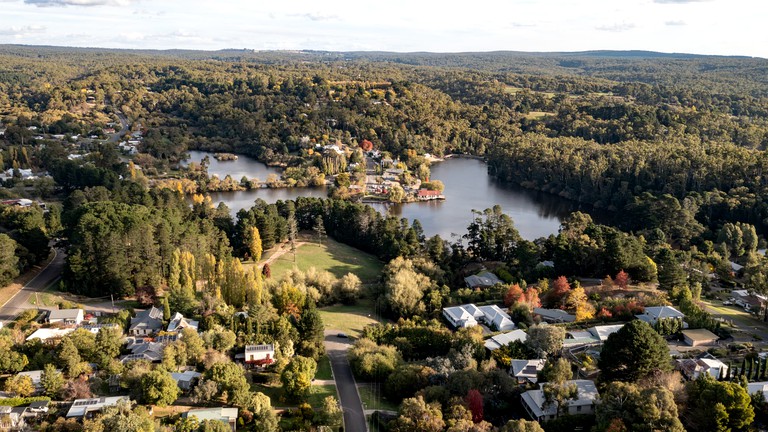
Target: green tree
x=108 y=344
x=545 y=339
x=297 y=377
x=556 y=371
x=166 y=309
x=122 y=417
x=522 y=426
x=373 y=362
x=718 y=405
x=9 y=262
x=230 y=378
x=633 y=352
x=52 y=381
x=640 y=409
x=330 y=413
x=671 y=274
x=418 y=416
x=20 y=385
x=159 y=388
x=404 y=287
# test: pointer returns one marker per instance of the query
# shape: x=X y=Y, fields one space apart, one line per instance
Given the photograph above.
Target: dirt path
x=284 y=249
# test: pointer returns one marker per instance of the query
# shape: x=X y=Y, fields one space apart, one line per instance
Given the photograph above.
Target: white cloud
x=53 y=3
x=679 y=1
x=619 y=27
x=22 y=31
x=675 y=23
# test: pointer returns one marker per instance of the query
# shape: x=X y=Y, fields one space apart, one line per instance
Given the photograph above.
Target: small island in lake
x=221 y=157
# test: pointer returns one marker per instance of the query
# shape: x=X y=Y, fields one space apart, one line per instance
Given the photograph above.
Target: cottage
x=143 y=350
x=653 y=314
x=146 y=322
x=501 y=340
x=66 y=316
x=554 y=315
x=179 y=323
x=259 y=355
x=484 y=279
x=526 y=371
x=699 y=337
x=470 y=315
x=185 y=380
x=427 y=195
x=84 y=407
x=226 y=415
x=705 y=363
x=536 y=406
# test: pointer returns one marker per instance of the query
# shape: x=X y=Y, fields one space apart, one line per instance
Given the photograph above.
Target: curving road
x=20 y=301
x=354 y=416
x=123 y=127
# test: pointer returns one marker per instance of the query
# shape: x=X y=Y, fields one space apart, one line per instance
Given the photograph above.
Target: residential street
x=20 y=301
x=354 y=417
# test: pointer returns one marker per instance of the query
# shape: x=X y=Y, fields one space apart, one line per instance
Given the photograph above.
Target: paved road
x=354 y=417
x=123 y=130
x=20 y=301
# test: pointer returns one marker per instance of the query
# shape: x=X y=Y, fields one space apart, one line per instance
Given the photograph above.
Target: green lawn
x=349 y=319
x=316 y=395
x=324 y=369
x=332 y=256
x=373 y=399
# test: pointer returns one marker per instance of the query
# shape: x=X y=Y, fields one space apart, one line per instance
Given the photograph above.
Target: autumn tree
x=474 y=400
x=19 y=385
x=418 y=416
x=513 y=295
x=253 y=241
x=577 y=300
x=621 y=280
x=373 y=362
x=366 y=145
x=558 y=292
x=522 y=426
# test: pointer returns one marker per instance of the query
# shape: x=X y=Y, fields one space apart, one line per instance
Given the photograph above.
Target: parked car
x=727 y=303
x=342 y=335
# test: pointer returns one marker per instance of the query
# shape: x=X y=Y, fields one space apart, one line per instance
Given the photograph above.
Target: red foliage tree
x=475 y=404
x=513 y=295
x=560 y=289
x=621 y=279
x=266 y=271
x=604 y=314
x=531 y=298
x=366 y=145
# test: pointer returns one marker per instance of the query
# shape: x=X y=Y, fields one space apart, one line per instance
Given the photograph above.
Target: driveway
x=354 y=416
x=20 y=301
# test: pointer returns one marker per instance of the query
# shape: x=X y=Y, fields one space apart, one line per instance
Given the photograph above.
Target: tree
x=366 y=145
x=545 y=339
x=577 y=300
x=406 y=380
x=418 y=416
x=297 y=377
x=633 y=352
x=122 y=417
x=204 y=392
x=253 y=241
x=371 y=361
x=556 y=371
x=319 y=229
x=640 y=409
x=522 y=426
x=671 y=274
x=622 y=279
x=513 y=295
x=559 y=291
x=10 y=360
x=349 y=288
x=166 y=309
x=159 y=388
x=20 y=385
x=9 y=262
x=108 y=344
x=718 y=405
x=77 y=388
x=231 y=380
x=51 y=380
x=330 y=413
x=396 y=193
x=404 y=287
x=474 y=401
x=266 y=271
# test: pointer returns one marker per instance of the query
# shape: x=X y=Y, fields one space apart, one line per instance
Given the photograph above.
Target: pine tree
x=166 y=309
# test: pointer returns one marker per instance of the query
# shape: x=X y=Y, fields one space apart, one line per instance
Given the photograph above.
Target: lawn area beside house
x=316 y=395
x=349 y=319
x=332 y=256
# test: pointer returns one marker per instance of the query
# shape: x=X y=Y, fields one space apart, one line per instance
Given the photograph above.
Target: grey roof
x=527 y=369
x=150 y=319
x=81 y=407
x=482 y=279
x=554 y=315
x=504 y=339
x=178 y=322
x=65 y=314
x=534 y=399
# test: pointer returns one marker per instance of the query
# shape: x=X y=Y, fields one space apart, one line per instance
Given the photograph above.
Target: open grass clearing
x=370 y=395
x=315 y=398
x=324 y=369
x=332 y=256
x=349 y=319
x=536 y=115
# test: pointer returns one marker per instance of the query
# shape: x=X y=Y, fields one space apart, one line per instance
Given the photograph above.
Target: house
x=226 y=415
x=749 y=301
x=179 y=323
x=185 y=380
x=427 y=195
x=536 y=406
x=526 y=371
x=94 y=328
x=484 y=279
x=758 y=387
x=50 y=334
x=146 y=322
x=705 y=363
x=35 y=376
x=470 y=315
x=501 y=340
x=144 y=350
x=84 y=407
x=654 y=313
x=259 y=355
x=592 y=336
x=554 y=315
x=66 y=316
x=699 y=337
x=12 y=418
x=36 y=408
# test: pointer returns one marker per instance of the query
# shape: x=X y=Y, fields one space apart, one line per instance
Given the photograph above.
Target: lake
x=467 y=186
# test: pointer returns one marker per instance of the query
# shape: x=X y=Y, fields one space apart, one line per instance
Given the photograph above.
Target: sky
x=723 y=27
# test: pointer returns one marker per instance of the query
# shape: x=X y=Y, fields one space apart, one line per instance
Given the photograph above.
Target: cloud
x=23 y=31
x=679 y=1
x=61 y=3
x=675 y=23
x=314 y=16
x=619 y=27
x=521 y=25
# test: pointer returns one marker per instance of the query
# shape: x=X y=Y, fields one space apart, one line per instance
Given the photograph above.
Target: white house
x=501 y=340
x=592 y=336
x=66 y=316
x=179 y=323
x=83 y=407
x=706 y=363
x=526 y=371
x=536 y=406
x=469 y=315
x=46 y=334
x=260 y=355
x=226 y=415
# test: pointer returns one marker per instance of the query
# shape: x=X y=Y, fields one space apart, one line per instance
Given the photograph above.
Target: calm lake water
x=467 y=187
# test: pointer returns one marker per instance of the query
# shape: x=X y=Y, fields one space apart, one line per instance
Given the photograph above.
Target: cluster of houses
x=131 y=146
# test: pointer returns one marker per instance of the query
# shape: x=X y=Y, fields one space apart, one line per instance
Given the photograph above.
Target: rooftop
x=700 y=335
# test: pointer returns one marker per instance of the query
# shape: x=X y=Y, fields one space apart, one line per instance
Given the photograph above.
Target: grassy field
x=316 y=395
x=324 y=369
x=349 y=319
x=332 y=256
x=373 y=399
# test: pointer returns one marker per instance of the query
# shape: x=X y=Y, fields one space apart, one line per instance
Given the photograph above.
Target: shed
x=698 y=337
